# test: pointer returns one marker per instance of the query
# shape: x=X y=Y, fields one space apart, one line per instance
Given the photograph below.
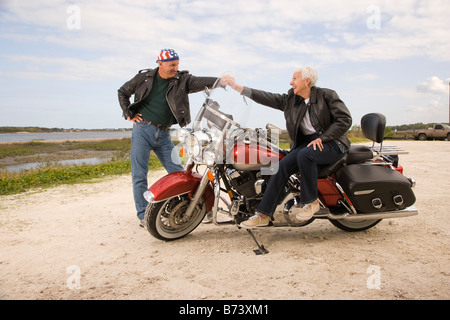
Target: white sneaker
x=307 y=211
x=255 y=221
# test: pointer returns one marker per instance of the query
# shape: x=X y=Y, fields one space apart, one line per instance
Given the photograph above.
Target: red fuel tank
x=253 y=156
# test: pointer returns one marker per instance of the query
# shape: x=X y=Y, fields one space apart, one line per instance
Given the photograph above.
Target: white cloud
x=408 y=27
x=434 y=85
x=212 y=35
x=261 y=41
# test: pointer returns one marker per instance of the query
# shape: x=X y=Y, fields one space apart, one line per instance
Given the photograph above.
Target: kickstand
x=261 y=249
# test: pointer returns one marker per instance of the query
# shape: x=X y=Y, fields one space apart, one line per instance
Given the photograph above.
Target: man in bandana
x=160 y=100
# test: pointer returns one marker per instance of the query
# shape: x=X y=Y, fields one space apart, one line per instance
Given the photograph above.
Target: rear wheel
x=167 y=221
x=354 y=226
x=422 y=137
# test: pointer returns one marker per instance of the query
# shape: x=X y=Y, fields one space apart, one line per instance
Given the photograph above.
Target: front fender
x=178 y=183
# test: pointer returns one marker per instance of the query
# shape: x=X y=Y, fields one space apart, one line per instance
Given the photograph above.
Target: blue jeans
x=145 y=138
x=305 y=161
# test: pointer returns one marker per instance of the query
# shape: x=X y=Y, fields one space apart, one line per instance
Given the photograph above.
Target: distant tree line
x=404 y=131
x=46 y=130
x=415 y=126
x=29 y=129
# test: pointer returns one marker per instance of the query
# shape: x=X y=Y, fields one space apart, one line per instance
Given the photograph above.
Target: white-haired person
x=317 y=121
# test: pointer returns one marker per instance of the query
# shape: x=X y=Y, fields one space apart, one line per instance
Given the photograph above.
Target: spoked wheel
x=353 y=226
x=167 y=220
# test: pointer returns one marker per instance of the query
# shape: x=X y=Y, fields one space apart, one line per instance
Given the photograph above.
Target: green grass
x=17 y=182
x=112 y=144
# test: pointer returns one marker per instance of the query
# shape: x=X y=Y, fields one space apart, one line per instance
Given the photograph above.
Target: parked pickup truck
x=438 y=132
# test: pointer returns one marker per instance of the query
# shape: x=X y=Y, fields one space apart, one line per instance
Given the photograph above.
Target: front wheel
x=167 y=221
x=353 y=226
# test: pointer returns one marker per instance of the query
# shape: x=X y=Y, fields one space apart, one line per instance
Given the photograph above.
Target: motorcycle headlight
x=203 y=138
x=193 y=147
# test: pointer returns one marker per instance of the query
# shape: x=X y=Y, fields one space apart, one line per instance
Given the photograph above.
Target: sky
x=62 y=62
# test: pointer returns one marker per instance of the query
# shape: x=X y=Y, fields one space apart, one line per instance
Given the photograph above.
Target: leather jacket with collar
x=329 y=115
x=177 y=94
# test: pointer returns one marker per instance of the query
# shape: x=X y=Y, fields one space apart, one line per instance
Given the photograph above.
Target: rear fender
x=178 y=183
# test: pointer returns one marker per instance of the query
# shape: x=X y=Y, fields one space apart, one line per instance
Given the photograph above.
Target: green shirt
x=155 y=107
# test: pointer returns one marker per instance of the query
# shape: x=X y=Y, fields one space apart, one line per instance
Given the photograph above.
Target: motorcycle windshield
x=215 y=131
x=210 y=115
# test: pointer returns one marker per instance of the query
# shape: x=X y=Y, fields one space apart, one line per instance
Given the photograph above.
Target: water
x=18 y=137
x=33 y=165
x=15 y=137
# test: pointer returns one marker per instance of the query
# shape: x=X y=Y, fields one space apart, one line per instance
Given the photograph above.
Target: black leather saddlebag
x=374 y=188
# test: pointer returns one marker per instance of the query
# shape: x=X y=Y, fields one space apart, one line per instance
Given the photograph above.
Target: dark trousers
x=305 y=161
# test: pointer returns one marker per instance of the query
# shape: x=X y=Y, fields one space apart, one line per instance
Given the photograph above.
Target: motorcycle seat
x=356 y=154
x=325 y=171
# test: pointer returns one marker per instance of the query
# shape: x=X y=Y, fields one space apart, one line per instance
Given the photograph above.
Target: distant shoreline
x=60 y=141
x=63 y=136
x=13 y=130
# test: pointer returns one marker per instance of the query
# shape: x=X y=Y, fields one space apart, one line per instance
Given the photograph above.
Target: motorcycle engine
x=243 y=182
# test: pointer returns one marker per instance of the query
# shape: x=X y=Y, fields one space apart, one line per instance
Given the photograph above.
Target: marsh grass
x=53 y=175
x=37 y=147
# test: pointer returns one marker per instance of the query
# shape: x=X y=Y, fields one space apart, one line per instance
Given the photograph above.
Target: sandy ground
x=84 y=242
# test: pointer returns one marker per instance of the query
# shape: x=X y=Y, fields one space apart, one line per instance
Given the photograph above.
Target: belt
x=158 y=125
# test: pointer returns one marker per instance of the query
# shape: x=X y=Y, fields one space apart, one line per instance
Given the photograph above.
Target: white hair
x=308 y=72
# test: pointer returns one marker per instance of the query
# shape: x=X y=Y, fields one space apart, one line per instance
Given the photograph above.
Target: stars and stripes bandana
x=167 y=55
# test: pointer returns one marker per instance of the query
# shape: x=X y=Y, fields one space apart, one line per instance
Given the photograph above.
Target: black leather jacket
x=329 y=116
x=177 y=94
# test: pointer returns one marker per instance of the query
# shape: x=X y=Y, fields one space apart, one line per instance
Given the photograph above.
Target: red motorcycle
x=355 y=193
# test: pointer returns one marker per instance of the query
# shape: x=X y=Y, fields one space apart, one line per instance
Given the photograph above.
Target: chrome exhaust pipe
x=408 y=212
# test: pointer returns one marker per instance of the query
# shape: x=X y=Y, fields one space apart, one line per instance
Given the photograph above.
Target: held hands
x=230 y=81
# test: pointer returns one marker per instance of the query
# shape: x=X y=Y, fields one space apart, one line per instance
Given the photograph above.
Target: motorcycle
x=366 y=186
